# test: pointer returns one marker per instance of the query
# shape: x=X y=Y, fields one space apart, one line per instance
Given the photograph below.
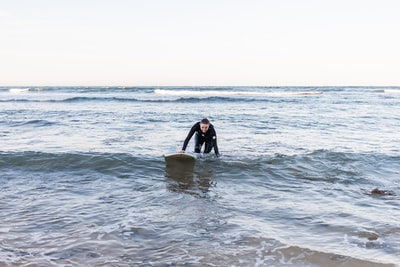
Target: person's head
x=204 y=125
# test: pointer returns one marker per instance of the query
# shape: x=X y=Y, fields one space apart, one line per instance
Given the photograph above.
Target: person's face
x=204 y=127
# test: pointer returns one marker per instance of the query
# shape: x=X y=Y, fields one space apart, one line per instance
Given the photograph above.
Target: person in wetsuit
x=204 y=134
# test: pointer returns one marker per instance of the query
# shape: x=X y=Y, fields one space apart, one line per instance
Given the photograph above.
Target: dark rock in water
x=371 y=236
x=378 y=191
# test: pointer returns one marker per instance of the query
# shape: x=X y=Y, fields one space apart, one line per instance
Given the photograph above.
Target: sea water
x=308 y=176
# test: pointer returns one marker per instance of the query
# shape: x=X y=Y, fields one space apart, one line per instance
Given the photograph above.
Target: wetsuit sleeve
x=189 y=136
x=215 y=144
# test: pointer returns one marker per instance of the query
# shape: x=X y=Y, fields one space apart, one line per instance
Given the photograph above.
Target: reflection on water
x=191 y=179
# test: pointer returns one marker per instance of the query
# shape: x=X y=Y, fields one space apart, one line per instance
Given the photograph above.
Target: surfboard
x=180 y=158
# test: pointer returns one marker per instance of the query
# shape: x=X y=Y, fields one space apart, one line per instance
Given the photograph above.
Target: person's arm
x=216 y=147
x=214 y=142
x=188 y=137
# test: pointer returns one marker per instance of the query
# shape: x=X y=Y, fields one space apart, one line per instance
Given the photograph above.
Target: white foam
x=392 y=91
x=230 y=93
x=5 y=229
x=18 y=90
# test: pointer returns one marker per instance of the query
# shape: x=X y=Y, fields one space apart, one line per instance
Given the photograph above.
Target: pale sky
x=202 y=42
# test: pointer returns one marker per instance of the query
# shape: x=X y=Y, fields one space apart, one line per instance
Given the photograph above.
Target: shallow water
x=307 y=177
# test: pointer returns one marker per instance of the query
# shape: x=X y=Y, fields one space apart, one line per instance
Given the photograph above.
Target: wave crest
x=208 y=93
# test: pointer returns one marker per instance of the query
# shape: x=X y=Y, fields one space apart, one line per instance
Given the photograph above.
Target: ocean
x=308 y=176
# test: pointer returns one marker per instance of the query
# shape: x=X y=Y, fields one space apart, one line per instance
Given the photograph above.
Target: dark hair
x=205 y=121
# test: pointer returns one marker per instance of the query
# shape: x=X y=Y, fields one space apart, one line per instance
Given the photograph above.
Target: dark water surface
x=307 y=177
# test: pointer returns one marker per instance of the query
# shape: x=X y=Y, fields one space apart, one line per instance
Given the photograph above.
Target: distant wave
x=84 y=99
x=392 y=91
x=119 y=99
x=18 y=90
x=232 y=93
x=24 y=90
x=74 y=99
x=34 y=123
x=180 y=99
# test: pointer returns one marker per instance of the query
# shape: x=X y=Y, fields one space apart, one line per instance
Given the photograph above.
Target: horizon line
x=204 y=86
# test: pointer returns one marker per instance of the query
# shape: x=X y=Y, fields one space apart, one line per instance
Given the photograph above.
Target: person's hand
x=181 y=151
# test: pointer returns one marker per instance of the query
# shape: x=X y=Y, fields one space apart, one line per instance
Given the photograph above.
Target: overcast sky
x=202 y=42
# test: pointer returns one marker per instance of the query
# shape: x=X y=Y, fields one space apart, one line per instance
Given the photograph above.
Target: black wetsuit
x=209 y=138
